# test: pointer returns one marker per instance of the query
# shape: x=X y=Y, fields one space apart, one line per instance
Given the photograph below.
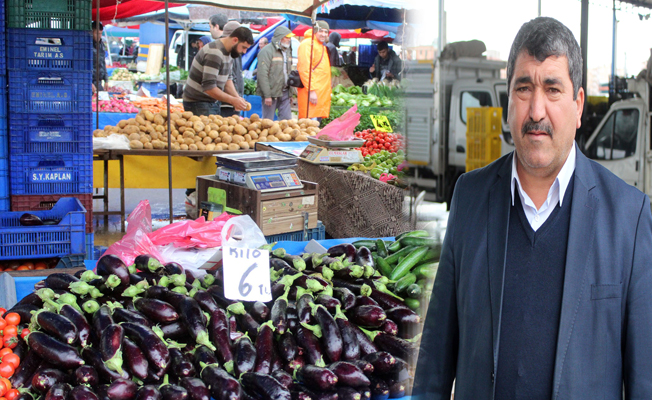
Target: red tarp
x=112 y=9
x=346 y=33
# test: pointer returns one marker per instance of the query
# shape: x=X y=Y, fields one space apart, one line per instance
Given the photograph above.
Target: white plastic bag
x=111 y=142
x=242 y=231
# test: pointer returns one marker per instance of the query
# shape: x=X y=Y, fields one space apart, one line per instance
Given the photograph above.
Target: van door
x=507 y=144
x=619 y=142
x=463 y=97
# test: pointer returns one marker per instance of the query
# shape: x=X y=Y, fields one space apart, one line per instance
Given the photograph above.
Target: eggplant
x=389 y=327
x=301 y=392
x=346 y=249
x=310 y=282
x=244 y=354
x=318 y=378
x=155 y=292
x=112 y=265
x=175 y=330
x=385 y=300
x=102 y=319
x=265 y=386
x=277 y=363
x=365 y=344
x=365 y=366
x=218 y=329
x=86 y=375
x=60 y=281
x=111 y=347
x=195 y=321
x=324 y=271
x=156 y=310
x=80 y=322
x=398 y=347
x=348 y=272
x=372 y=316
x=58 y=392
x=382 y=361
x=31 y=299
x=258 y=310
x=297 y=262
x=345 y=296
x=330 y=302
x=124 y=315
x=279 y=316
x=248 y=324
x=56 y=352
x=206 y=301
x=407 y=320
x=292 y=317
x=135 y=360
x=365 y=301
x=23 y=374
x=173 y=268
x=28 y=219
x=347 y=393
x=264 y=347
x=287 y=347
x=218 y=294
x=45 y=378
x=349 y=374
x=353 y=287
x=304 y=310
x=94 y=358
x=173 y=392
x=221 y=385
x=311 y=346
x=21 y=347
x=331 y=337
x=234 y=333
x=365 y=394
x=145 y=262
x=379 y=389
x=363 y=257
x=148 y=392
x=400 y=372
x=122 y=389
x=203 y=355
x=350 y=344
x=196 y=388
x=180 y=364
x=283 y=377
x=154 y=348
x=82 y=392
x=396 y=389
x=278 y=264
x=24 y=310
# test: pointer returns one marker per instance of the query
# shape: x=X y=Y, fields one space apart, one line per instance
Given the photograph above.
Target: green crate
x=49 y=14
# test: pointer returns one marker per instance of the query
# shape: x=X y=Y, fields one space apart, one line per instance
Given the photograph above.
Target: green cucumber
x=393 y=259
x=419 y=241
x=368 y=243
x=381 y=249
x=413 y=291
x=404 y=282
x=418 y=233
x=382 y=266
x=394 y=246
x=404 y=267
x=412 y=304
x=427 y=270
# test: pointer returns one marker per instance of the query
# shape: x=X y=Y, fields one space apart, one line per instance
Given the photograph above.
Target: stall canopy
x=115 y=31
x=112 y=9
x=373 y=34
x=297 y=7
x=179 y=17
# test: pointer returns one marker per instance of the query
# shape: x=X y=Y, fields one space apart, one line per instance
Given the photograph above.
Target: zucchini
x=427 y=270
x=403 y=283
x=381 y=249
x=404 y=267
x=413 y=291
x=368 y=243
x=393 y=259
x=394 y=246
x=418 y=233
x=382 y=266
x=412 y=304
x=419 y=241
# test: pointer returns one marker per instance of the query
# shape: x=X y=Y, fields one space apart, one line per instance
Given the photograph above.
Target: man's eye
x=522 y=89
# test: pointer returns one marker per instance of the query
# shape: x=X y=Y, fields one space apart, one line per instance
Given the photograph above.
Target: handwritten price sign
x=381 y=123
x=246 y=274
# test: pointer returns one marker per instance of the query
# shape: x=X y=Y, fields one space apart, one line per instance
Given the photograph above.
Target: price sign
x=246 y=274
x=381 y=123
x=103 y=96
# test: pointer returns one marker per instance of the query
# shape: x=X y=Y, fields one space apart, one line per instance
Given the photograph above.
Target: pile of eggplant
x=156 y=332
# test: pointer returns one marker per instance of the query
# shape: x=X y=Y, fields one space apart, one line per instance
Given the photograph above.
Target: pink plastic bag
x=342 y=128
x=188 y=234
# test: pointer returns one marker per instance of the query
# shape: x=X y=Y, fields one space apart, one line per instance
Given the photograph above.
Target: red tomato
x=24 y=333
x=10 y=330
x=12 y=359
x=12 y=318
x=6 y=370
x=3 y=323
x=4 y=352
x=12 y=394
x=3 y=388
x=2 y=311
x=10 y=342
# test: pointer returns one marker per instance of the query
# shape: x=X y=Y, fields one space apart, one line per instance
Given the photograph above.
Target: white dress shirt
x=555 y=194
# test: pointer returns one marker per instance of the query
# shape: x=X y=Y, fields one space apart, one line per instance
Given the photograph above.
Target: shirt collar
x=563 y=178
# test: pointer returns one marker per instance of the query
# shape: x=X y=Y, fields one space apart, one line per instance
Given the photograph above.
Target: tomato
x=3 y=323
x=12 y=394
x=6 y=370
x=10 y=330
x=24 y=333
x=4 y=352
x=2 y=311
x=10 y=341
x=12 y=359
x=3 y=388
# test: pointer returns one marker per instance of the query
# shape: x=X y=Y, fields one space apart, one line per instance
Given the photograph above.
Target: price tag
x=381 y=123
x=103 y=96
x=246 y=274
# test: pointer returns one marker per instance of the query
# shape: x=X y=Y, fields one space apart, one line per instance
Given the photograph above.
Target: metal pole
x=97 y=73
x=612 y=92
x=167 y=103
x=185 y=32
x=312 y=46
x=539 y=14
x=442 y=33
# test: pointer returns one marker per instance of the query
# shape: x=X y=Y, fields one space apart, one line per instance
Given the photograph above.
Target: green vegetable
x=370 y=244
x=381 y=248
x=413 y=291
x=404 y=267
x=419 y=241
x=393 y=259
x=404 y=282
x=250 y=86
x=382 y=266
x=427 y=270
x=412 y=304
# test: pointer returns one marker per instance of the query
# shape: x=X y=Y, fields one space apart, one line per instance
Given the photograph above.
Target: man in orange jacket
x=315 y=97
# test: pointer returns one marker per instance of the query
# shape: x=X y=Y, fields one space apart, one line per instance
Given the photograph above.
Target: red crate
x=41 y=202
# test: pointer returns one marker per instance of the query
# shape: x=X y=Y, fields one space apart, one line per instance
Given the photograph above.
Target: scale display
x=264 y=181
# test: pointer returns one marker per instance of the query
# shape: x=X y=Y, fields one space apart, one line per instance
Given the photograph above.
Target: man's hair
x=383 y=46
x=264 y=40
x=243 y=34
x=218 y=20
x=98 y=25
x=543 y=37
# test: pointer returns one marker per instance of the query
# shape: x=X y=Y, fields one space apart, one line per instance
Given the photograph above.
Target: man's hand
x=313 y=97
x=268 y=101
x=389 y=75
x=372 y=69
x=239 y=104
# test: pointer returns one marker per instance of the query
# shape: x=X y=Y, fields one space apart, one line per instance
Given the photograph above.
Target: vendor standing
x=209 y=81
x=99 y=43
x=226 y=109
x=315 y=75
x=387 y=64
x=274 y=66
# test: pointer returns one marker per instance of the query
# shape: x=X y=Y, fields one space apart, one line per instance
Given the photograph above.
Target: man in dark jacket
x=227 y=109
x=332 y=46
x=274 y=66
x=387 y=64
x=97 y=41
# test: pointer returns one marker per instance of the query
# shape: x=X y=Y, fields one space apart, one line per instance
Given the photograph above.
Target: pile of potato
x=214 y=133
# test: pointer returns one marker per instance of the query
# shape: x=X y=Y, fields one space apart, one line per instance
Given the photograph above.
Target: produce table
x=108 y=118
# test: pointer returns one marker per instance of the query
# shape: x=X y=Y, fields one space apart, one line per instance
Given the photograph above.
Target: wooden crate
x=274 y=212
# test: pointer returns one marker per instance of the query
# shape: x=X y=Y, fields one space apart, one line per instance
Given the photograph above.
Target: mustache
x=536 y=126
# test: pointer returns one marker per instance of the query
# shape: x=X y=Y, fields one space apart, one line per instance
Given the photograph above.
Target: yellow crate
x=483 y=142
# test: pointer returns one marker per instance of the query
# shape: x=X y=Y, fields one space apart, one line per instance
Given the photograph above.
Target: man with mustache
x=544 y=287
x=210 y=81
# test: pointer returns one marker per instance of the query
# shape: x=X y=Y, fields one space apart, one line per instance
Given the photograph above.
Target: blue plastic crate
x=4 y=142
x=53 y=92
x=49 y=14
x=51 y=173
x=67 y=237
x=3 y=96
x=47 y=49
x=90 y=246
x=5 y=203
x=51 y=133
x=318 y=233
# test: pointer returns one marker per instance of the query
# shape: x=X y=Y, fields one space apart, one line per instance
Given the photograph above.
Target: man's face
x=322 y=35
x=542 y=114
x=216 y=32
x=263 y=43
x=239 y=48
x=285 y=42
x=97 y=35
x=383 y=53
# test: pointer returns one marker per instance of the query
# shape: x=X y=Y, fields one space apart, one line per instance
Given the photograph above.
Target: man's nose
x=538 y=105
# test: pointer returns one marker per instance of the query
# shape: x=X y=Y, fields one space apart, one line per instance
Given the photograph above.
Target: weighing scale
x=333 y=152
x=265 y=171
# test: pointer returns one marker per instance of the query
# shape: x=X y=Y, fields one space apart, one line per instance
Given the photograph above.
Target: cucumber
x=368 y=243
x=413 y=291
x=403 y=283
x=412 y=304
x=431 y=255
x=383 y=266
x=381 y=249
x=427 y=270
x=394 y=246
x=418 y=233
x=404 y=267
x=393 y=259
x=419 y=241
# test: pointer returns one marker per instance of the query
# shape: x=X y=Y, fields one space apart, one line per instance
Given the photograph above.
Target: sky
x=497 y=22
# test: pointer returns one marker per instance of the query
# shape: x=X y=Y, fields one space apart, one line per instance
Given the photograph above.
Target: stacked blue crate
x=4 y=141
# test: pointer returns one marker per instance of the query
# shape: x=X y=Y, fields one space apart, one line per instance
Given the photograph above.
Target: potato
x=187 y=115
x=314 y=123
x=136 y=144
x=232 y=121
x=226 y=139
x=237 y=138
x=253 y=135
x=181 y=122
x=122 y=123
x=198 y=126
x=176 y=146
x=148 y=146
x=210 y=147
x=221 y=146
x=234 y=146
x=213 y=134
x=145 y=138
x=201 y=134
x=157 y=144
x=132 y=121
x=267 y=123
x=284 y=137
x=252 y=144
x=188 y=141
x=155 y=135
x=255 y=125
x=274 y=129
x=183 y=147
x=160 y=128
x=244 y=145
x=201 y=146
x=207 y=140
x=149 y=115
x=301 y=138
x=272 y=138
x=194 y=118
x=189 y=132
x=134 y=136
x=164 y=113
x=247 y=137
x=159 y=120
x=284 y=125
x=224 y=128
x=175 y=132
x=217 y=140
x=254 y=117
x=96 y=131
x=244 y=124
x=197 y=139
x=294 y=133
x=193 y=147
x=288 y=130
x=240 y=130
x=173 y=116
x=263 y=133
x=302 y=126
x=142 y=128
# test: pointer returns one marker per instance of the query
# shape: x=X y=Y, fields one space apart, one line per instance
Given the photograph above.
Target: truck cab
x=621 y=142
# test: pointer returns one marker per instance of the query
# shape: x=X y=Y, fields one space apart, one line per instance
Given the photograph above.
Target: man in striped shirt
x=209 y=82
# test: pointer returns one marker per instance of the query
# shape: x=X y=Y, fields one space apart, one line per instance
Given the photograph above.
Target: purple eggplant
x=86 y=375
x=146 y=262
x=396 y=389
x=45 y=378
x=264 y=347
x=353 y=287
x=292 y=317
x=244 y=354
x=112 y=265
x=80 y=322
x=31 y=299
x=180 y=364
x=372 y=316
x=310 y=344
x=23 y=374
x=203 y=355
x=173 y=392
x=234 y=333
x=124 y=315
x=379 y=389
x=111 y=347
x=154 y=348
x=301 y=392
x=407 y=320
x=156 y=310
x=350 y=344
x=206 y=301
x=363 y=257
x=218 y=294
x=386 y=301
x=346 y=297
x=346 y=249
x=405 y=349
x=173 y=268
x=195 y=321
x=101 y=320
x=58 y=391
x=317 y=378
x=218 y=329
x=148 y=392
x=347 y=393
x=349 y=374
x=248 y=324
x=348 y=272
x=258 y=310
x=399 y=373
x=389 y=327
x=278 y=264
x=366 y=345
x=94 y=358
x=135 y=360
x=60 y=281
x=365 y=394
x=331 y=338
x=56 y=352
x=287 y=347
x=279 y=316
x=122 y=389
x=365 y=366
x=174 y=330
x=310 y=282
x=265 y=386
x=82 y=393
x=221 y=385
x=365 y=301
x=330 y=302
x=196 y=388
x=304 y=310
x=294 y=365
x=155 y=291
x=382 y=361
x=283 y=377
